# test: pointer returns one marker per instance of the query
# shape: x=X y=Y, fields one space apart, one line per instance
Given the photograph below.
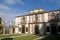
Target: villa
x=38 y=22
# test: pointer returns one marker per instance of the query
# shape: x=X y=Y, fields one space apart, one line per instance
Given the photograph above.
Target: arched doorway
x=13 y=30
x=36 y=29
x=53 y=28
x=23 y=29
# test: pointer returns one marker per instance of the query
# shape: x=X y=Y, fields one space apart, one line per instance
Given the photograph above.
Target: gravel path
x=42 y=37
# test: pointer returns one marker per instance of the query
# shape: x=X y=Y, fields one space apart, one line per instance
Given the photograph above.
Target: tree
x=0 y=20
x=1 y=28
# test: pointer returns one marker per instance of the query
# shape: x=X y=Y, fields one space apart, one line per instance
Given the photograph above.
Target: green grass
x=30 y=37
x=4 y=36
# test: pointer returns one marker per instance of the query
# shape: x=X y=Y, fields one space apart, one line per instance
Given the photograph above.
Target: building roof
x=37 y=13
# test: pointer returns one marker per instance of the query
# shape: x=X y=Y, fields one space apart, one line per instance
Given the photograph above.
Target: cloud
x=10 y=1
x=1 y=14
x=13 y=2
x=20 y=1
x=4 y=7
x=10 y=16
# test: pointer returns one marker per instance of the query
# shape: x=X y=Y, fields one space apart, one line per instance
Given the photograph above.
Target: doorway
x=23 y=29
x=36 y=29
x=53 y=28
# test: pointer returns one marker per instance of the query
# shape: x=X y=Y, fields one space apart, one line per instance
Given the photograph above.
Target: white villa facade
x=38 y=22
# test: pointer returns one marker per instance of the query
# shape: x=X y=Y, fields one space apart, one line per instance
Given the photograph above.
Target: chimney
x=32 y=11
x=37 y=11
x=41 y=10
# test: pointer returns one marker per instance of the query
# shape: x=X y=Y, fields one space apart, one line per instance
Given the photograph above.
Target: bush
x=1 y=26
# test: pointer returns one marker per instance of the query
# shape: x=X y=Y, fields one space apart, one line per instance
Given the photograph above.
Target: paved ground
x=42 y=37
x=18 y=36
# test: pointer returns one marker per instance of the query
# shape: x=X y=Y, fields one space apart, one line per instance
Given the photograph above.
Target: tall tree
x=1 y=26
x=0 y=20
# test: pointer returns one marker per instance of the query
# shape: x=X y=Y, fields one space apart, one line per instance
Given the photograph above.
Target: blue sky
x=11 y=8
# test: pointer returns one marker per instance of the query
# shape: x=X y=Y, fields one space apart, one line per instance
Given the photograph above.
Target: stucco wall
x=45 y=17
x=16 y=30
x=31 y=32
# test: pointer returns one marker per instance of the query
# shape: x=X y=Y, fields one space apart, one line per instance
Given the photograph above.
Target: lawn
x=4 y=36
x=29 y=37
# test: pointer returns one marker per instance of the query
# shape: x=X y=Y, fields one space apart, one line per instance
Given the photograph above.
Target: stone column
x=11 y=27
x=3 y=30
x=16 y=30
x=10 y=30
x=31 y=29
x=41 y=29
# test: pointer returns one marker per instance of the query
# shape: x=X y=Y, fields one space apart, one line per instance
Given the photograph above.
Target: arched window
x=19 y=29
x=48 y=29
x=53 y=14
x=23 y=18
x=26 y=29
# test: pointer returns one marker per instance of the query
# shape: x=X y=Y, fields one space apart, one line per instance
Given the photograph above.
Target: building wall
x=16 y=30
x=20 y=29
x=31 y=29
x=41 y=28
x=45 y=17
x=42 y=22
x=31 y=18
x=26 y=26
x=48 y=25
x=58 y=27
x=27 y=19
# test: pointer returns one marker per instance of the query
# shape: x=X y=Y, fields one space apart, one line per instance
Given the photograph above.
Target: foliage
x=0 y=20
x=1 y=26
x=0 y=23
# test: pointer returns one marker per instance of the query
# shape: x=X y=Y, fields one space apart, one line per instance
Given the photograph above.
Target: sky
x=11 y=8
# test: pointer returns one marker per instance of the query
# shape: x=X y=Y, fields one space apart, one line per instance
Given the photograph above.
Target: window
x=58 y=16
x=53 y=14
x=36 y=17
x=19 y=29
x=48 y=30
x=26 y=29
x=23 y=18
